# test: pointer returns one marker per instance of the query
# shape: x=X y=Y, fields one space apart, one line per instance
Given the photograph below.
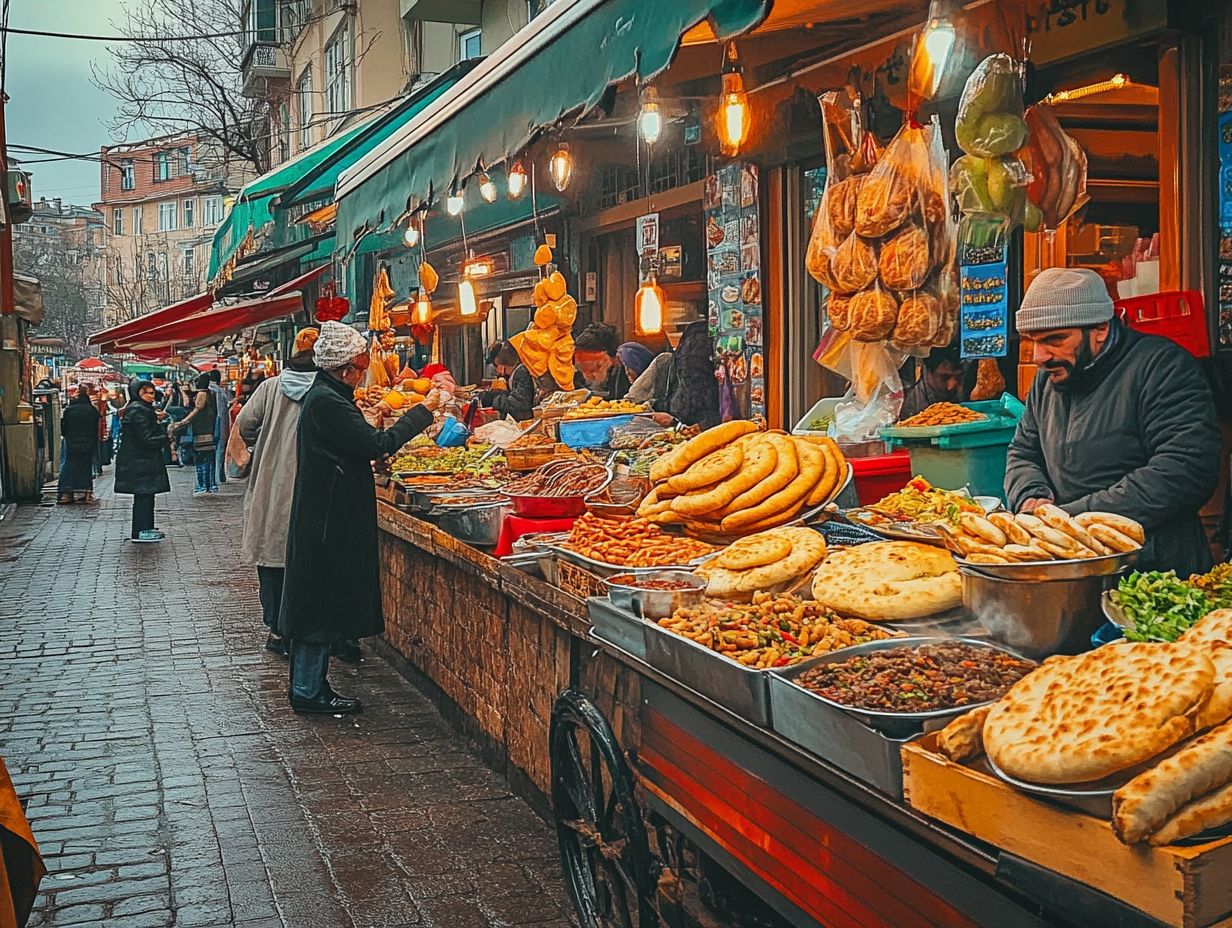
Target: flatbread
x=1058 y=518
x=716 y=466
x=806 y=549
x=1123 y=524
x=1086 y=718
x=962 y=739
x=811 y=461
x=760 y=463
x=786 y=469
x=1111 y=538
x=983 y=530
x=1209 y=811
x=889 y=581
x=1142 y=805
x=1015 y=534
x=1214 y=626
x=835 y=471
x=678 y=461
x=754 y=551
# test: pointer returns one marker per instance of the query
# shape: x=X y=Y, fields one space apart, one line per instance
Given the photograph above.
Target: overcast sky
x=52 y=102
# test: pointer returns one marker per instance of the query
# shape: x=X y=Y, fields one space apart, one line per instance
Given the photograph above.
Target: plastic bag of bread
x=851 y=153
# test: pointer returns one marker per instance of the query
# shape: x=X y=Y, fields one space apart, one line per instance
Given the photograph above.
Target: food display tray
x=900 y=725
x=999 y=414
x=604 y=569
x=742 y=690
x=618 y=626
x=833 y=735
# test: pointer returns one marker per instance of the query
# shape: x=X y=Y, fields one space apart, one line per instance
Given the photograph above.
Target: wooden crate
x=1188 y=887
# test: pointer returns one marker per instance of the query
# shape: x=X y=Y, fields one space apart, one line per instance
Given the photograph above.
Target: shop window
x=1122 y=107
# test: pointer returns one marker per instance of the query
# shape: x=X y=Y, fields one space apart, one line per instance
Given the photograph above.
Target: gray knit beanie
x=1064 y=298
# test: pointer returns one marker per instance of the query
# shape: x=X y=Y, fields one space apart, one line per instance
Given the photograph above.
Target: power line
x=140 y=39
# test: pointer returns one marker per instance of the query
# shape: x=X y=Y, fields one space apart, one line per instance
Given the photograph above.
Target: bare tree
x=186 y=84
x=70 y=300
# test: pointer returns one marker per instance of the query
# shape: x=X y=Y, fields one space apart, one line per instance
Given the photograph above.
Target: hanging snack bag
x=1058 y=167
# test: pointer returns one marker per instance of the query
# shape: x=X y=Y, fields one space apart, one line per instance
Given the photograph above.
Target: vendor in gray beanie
x=1115 y=421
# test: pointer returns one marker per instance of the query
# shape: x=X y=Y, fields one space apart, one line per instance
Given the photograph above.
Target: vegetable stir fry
x=920 y=501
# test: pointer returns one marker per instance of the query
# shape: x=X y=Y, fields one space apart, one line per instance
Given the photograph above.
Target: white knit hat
x=337 y=345
x=1064 y=298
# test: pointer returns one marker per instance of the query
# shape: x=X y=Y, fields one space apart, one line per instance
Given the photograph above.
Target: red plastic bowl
x=548 y=507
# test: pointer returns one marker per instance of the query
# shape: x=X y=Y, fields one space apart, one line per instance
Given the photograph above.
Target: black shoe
x=328 y=703
x=278 y=645
x=346 y=651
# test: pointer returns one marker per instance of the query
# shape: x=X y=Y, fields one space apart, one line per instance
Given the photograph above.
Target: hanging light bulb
x=467 y=304
x=733 y=115
x=931 y=54
x=410 y=238
x=423 y=310
x=487 y=187
x=517 y=180
x=650 y=119
x=561 y=166
x=648 y=306
x=454 y=202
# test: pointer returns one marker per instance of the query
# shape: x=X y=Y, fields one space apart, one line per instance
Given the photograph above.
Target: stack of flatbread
x=767 y=562
x=733 y=479
x=1157 y=713
x=889 y=581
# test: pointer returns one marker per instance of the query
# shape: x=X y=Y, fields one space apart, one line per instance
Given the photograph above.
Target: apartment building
x=161 y=200
x=64 y=245
x=323 y=64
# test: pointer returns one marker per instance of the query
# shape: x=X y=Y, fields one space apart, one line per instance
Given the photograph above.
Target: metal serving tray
x=743 y=690
x=1106 y=565
x=833 y=735
x=604 y=570
x=620 y=627
x=893 y=724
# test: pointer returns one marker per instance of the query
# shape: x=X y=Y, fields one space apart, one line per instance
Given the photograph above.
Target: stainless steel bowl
x=1037 y=619
x=475 y=525
x=1108 y=565
x=625 y=593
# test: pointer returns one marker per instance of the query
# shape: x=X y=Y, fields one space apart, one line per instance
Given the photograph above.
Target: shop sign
x=1062 y=29
x=647 y=246
x=983 y=301
x=1224 y=266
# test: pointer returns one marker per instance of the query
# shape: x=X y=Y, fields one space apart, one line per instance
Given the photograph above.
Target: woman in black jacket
x=332 y=586
x=139 y=463
x=79 y=431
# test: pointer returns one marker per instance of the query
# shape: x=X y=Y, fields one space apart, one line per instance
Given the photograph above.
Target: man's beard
x=1075 y=368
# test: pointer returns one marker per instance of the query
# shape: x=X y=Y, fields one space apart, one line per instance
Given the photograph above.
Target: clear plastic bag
x=990 y=113
x=1058 y=168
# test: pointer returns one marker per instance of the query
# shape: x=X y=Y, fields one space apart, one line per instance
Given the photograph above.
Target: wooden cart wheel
x=604 y=851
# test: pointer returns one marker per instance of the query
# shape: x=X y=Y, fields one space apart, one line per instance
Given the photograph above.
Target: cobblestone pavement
x=167 y=781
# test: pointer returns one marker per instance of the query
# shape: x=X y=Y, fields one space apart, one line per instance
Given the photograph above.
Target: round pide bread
x=889 y=580
x=1087 y=717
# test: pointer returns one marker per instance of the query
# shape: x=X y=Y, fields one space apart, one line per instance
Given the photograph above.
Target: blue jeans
x=205 y=472
x=309 y=661
x=220 y=454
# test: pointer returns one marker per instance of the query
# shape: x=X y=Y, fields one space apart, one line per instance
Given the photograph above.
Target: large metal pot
x=475 y=525
x=1037 y=618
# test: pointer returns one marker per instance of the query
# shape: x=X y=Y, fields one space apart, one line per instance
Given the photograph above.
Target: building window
x=117 y=220
x=151 y=267
x=167 y=216
x=303 y=108
x=294 y=18
x=284 y=133
x=190 y=211
x=211 y=211
x=162 y=166
x=184 y=160
x=338 y=72
x=260 y=21
x=137 y=224
x=190 y=264
x=128 y=175
x=469 y=44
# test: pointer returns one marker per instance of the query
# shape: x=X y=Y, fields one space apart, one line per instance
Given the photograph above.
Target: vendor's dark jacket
x=332 y=589
x=519 y=400
x=79 y=427
x=140 y=468
x=1136 y=435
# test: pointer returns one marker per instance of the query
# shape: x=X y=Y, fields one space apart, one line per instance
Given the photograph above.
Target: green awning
x=560 y=64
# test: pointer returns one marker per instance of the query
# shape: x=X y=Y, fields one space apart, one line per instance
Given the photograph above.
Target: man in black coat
x=332 y=586
x=140 y=469
x=1116 y=421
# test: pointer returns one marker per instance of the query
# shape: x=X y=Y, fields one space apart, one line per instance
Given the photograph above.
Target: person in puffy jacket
x=140 y=470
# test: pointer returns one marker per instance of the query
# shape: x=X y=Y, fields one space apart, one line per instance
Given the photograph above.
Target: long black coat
x=79 y=427
x=139 y=465
x=332 y=588
x=1135 y=435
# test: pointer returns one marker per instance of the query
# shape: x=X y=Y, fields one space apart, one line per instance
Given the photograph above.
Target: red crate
x=1179 y=315
x=879 y=475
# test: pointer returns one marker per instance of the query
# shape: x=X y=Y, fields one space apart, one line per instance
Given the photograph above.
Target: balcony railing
x=263 y=63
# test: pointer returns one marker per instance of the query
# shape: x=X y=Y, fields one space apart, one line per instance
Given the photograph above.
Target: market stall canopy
x=560 y=63
x=208 y=326
x=28 y=299
x=312 y=174
x=93 y=364
x=152 y=320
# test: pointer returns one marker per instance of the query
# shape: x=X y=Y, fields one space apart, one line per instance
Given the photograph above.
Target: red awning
x=205 y=327
x=172 y=313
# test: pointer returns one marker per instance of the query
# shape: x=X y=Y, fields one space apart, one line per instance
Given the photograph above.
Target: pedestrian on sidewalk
x=332 y=589
x=139 y=462
x=268 y=424
x=79 y=425
x=203 y=420
x=222 y=426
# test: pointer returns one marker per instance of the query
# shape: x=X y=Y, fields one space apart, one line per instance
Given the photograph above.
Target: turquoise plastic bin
x=969 y=455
